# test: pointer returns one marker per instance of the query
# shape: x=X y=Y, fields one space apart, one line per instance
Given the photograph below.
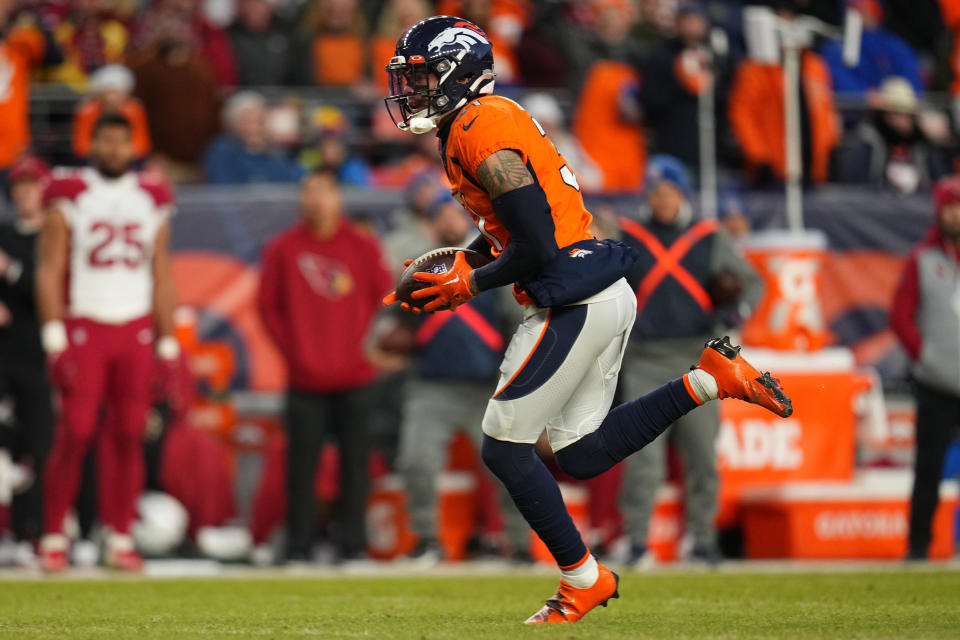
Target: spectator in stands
x=338 y=45
x=607 y=116
x=656 y=22
x=676 y=73
x=90 y=37
x=24 y=45
x=926 y=320
x=327 y=148
x=23 y=364
x=267 y=51
x=606 y=123
x=547 y=46
x=183 y=21
x=322 y=284
x=675 y=317
x=756 y=113
x=545 y=108
x=424 y=156
x=733 y=216
x=882 y=55
x=179 y=91
x=110 y=91
x=889 y=148
x=458 y=358
x=608 y=38
x=503 y=21
x=395 y=18
x=243 y=154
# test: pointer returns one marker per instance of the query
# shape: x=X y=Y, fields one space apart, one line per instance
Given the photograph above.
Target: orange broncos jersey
x=492 y=123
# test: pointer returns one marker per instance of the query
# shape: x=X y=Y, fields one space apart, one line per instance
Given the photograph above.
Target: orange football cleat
x=570 y=604
x=737 y=378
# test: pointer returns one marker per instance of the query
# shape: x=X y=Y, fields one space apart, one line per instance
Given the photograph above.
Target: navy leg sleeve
x=626 y=429
x=537 y=497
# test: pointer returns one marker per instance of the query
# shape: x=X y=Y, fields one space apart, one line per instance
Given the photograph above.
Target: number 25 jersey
x=490 y=124
x=113 y=229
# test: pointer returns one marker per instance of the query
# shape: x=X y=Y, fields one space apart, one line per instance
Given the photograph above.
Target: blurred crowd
x=248 y=91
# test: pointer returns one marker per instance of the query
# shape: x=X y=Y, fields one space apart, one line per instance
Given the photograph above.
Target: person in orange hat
x=23 y=372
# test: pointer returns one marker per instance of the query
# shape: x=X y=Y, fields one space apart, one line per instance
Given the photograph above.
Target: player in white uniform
x=105 y=295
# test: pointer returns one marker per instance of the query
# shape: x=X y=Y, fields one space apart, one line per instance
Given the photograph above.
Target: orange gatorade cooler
x=666 y=524
x=790 y=315
x=865 y=518
x=388 y=526
x=456 y=512
x=575 y=497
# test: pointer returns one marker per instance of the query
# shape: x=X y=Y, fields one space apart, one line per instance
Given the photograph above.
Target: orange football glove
x=391 y=297
x=451 y=288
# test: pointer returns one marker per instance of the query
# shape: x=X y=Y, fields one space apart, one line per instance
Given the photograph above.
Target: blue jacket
x=452 y=347
x=226 y=161
x=882 y=55
x=680 y=306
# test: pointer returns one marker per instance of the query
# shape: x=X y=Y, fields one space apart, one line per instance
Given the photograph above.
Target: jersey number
x=109 y=235
x=566 y=174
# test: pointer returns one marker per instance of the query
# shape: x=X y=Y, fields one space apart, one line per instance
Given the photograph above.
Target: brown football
x=436 y=261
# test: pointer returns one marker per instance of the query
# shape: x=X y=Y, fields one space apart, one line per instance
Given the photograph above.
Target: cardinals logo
x=326 y=277
x=457 y=36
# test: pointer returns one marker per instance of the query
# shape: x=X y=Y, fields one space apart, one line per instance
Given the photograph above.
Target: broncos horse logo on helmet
x=439 y=65
x=457 y=35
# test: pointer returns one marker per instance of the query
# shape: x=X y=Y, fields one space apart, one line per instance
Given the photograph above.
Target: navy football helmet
x=459 y=57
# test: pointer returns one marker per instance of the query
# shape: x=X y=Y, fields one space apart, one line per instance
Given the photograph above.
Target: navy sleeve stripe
x=564 y=325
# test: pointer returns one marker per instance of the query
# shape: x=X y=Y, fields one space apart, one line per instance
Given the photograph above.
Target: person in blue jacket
x=243 y=154
x=882 y=54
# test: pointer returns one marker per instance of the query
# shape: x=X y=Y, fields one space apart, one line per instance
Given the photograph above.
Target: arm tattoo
x=503 y=171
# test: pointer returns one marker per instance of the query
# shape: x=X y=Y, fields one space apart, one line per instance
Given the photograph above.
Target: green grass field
x=886 y=604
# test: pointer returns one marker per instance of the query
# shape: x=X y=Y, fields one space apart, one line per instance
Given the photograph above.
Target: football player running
x=560 y=369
